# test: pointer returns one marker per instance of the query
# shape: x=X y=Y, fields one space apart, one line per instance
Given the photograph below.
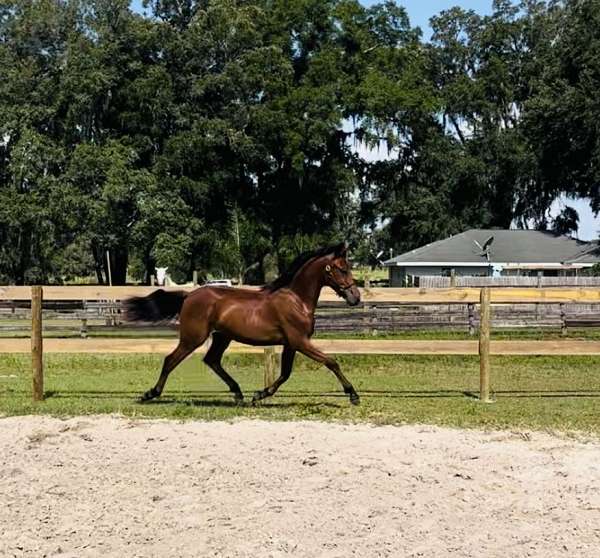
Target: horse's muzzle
x=352 y=296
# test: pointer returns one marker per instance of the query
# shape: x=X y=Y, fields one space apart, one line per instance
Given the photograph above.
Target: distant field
x=555 y=393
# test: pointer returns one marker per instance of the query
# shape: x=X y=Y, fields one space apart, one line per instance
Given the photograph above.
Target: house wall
x=398 y=274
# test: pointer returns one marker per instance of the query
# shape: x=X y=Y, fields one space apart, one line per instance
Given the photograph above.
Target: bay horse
x=280 y=313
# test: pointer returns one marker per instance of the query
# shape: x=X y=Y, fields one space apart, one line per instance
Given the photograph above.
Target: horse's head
x=338 y=276
x=161 y=275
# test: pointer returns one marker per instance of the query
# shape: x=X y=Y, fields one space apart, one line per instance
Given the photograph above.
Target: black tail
x=156 y=307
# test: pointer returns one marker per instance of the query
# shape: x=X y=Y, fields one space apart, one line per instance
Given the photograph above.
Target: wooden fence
x=485 y=297
x=85 y=318
x=377 y=314
x=437 y=282
x=415 y=296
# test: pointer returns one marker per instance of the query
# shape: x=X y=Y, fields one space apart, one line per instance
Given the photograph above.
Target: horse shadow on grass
x=218 y=398
x=215 y=399
x=247 y=404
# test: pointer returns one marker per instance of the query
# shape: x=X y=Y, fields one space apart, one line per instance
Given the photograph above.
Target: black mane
x=286 y=278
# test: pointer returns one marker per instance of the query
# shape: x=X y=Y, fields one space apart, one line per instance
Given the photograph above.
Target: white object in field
x=219 y=283
x=161 y=276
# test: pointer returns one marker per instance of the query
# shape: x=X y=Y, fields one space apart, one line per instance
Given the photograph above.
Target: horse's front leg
x=308 y=349
x=287 y=361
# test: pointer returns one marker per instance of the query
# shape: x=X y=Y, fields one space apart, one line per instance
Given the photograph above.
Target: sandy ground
x=108 y=486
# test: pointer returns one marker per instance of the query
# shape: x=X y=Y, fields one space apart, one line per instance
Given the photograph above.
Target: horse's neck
x=307 y=283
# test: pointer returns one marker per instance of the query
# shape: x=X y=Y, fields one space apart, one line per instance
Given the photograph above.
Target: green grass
x=556 y=393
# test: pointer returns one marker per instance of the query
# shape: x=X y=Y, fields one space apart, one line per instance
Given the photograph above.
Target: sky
x=419 y=12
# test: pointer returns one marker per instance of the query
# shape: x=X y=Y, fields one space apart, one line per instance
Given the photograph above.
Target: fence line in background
x=86 y=318
x=437 y=282
x=421 y=295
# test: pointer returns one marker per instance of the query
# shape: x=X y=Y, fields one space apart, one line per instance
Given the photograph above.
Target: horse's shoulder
x=287 y=300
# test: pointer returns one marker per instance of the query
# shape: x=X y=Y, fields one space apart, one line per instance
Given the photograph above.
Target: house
x=495 y=252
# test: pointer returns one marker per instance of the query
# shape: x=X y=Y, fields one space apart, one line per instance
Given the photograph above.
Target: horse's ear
x=341 y=249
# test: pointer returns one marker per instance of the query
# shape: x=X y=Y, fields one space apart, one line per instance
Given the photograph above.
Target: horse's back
x=220 y=292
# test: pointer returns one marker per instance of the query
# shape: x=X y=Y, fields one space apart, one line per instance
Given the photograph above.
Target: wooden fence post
x=374 y=322
x=37 y=350
x=367 y=319
x=563 y=320
x=471 y=310
x=484 y=345
x=83 y=330
x=270 y=366
x=195 y=277
x=108 y=268
x=452 y=278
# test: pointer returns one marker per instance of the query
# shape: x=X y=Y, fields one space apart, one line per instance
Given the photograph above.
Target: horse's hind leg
x=287 y=361
x=171 y=361
x=213 y=359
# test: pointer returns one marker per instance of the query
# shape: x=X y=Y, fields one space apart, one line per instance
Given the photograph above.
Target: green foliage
x=217 y=132
x=593 y=271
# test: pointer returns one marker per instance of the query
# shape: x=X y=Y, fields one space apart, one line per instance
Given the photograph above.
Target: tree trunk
x=98 y=263
x=149 y=264
x=118 y=265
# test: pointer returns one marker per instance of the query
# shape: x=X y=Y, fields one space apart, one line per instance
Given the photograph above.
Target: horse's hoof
x=238 y=398
x=354 y=399
x=258 y=396
x=150 y=394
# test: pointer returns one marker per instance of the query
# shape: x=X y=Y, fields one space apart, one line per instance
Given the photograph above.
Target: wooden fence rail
x=437 y=282
x=96 y=308
x=469 y=296
x=458 y=295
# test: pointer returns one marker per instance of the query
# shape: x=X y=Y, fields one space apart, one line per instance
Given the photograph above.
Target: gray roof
x=508 y=246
